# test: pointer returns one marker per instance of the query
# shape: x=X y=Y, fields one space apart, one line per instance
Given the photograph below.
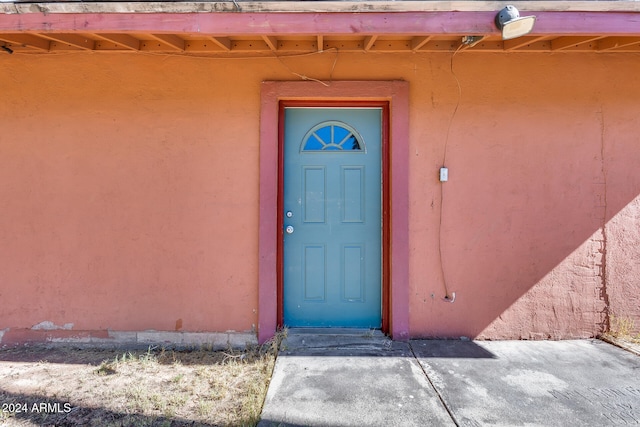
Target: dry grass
x=157 y=387
x=624 y=328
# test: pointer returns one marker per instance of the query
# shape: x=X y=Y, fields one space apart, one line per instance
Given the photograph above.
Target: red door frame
x=396 y=242
x=384 y=105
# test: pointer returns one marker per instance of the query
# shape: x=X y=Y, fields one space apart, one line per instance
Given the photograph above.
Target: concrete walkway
x=358 y=378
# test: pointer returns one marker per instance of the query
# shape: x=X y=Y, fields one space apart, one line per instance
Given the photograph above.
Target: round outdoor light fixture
x=508 y=20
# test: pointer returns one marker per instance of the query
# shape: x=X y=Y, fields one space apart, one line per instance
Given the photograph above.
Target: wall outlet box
x=444 y=174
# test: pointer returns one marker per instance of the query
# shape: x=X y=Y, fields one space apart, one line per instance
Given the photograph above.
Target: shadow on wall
x=539 y=223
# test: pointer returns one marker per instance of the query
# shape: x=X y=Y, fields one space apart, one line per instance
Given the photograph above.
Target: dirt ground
x=42 y=386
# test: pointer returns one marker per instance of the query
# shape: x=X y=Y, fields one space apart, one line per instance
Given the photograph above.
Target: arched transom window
x=332 y=136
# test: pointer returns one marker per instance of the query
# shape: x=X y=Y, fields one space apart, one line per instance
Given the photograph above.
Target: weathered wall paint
x=129 y=193
x=622 y=229
x=129 y=186
x=536 y=152
x=532 y=167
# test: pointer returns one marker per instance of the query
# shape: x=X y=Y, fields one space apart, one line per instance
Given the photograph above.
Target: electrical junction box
x=444 y=174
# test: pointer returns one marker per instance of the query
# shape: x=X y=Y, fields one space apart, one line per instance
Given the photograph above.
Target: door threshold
x=326 y=341
x=360 y=332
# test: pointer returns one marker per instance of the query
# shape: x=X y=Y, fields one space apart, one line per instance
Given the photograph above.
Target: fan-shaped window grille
x=332 y=136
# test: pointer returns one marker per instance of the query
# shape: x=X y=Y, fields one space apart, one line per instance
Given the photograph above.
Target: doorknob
x=289 y=229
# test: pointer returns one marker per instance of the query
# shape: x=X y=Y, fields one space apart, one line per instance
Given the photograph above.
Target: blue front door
x=332 y=217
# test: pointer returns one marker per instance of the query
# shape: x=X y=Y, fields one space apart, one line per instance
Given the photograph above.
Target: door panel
x=353 y=193
x=314 y=204
x=332 y=202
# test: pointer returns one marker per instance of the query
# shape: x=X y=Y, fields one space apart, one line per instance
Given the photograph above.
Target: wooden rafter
x=27 y=40
x=271 y=41
x=418 y=42
x=297 y=45
x=124 y=40
x=440 y=46
x=431 y=28
x=520 y=42
x=613 y=43
x=571 y=41
x=70 y=39
x=346 y=6
x=312 y=24
x=171 y=40
x=392 y=46
x=369 y=41
x=250 y=46
x=223 y=42
x=540 y=45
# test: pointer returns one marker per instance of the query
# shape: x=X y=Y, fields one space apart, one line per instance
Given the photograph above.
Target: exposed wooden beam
x=345 y=45
x=571 y=41
x=487 y=46
x=536 y=46
x=312 y=24
x=634 y=48
x=519 y=42
x=171 y=40
x=418 y=42
x=392 y=46
x=440 y=46
x=348 y=6
x=223 y=42
x=73 y=40
x=611 y=43
x=34 y=43
x=297 y=45
x=248 y=46
x=369 y=41
x=207 y=46
x=124 y=40
x=271 y=41
x=27 y=40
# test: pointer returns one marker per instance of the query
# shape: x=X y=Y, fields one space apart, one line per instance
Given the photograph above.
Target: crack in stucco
x=604 y=295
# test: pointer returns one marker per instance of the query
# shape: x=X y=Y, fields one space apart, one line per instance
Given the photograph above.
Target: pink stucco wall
x=130 y=184
x=622 y=230
x=129 y=192
x=540 y=216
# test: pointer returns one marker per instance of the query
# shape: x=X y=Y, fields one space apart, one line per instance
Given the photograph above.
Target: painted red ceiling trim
x=274 y=23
